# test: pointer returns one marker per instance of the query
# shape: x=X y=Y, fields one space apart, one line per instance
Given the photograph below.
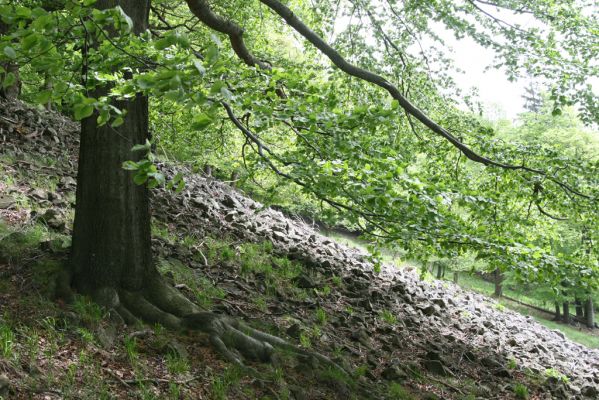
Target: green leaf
x=43 y=97
x=10 y=52
x=103 y=117
x=140 y=179
x=130 y=165
x=145 y=147
x=394 y=104
x=162 y=44
x=201 y=121
x=118 y=121
x=199 y=66
x=29 y=41
x=82 y=111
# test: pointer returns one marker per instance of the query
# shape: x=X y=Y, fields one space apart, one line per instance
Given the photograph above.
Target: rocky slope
x=431 y=336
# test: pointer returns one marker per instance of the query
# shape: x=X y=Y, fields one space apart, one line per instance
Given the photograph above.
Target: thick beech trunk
x=111 y=236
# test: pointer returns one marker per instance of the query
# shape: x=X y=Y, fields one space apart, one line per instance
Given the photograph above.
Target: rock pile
x=452 y=329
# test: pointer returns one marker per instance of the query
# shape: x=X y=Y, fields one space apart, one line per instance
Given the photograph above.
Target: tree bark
x=566 y=315
x=579 y=308
x=13 y=91
x=590 y=313
x=111 y=235
x=439 y=270
x=48 y=85
x=558 y=316
x=456 y=276
x=498 y=283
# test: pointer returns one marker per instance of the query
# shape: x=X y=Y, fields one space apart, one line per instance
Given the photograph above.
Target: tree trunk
x=566 y=315
x=234 y=178
x=456 y=276
x=12 y=91
x=579 y=309
x=498 y=283
x=111 y=235
x=207 y=170
x=439 y=271
x=48 y=85
x=589 y=313
x=558 y=316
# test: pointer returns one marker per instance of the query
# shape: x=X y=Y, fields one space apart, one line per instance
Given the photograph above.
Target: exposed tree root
x=234 y=340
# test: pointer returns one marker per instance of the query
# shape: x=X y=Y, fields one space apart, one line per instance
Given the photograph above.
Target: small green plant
x=227 y=253
x=174 y=391
x=88 y=310
x=388 y=317
x=206 y=292
x=520 y=391
x=131 y=349
x=260 y=303
x=321 y=316
x=361 y=371
x=511 y=363
x=499 y=307
x=325 y=291
x=86 y=335
x=32 y=346
x=305 y=340
x=336 y=280
x=398 y=392
x=221 y=384
x=554 y=373
x=175 y=364
x=7 y=340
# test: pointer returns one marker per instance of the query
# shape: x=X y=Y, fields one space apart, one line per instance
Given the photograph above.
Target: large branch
x=202 y=10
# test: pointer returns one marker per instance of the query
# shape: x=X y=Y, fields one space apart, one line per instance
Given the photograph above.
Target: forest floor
x=398 y=337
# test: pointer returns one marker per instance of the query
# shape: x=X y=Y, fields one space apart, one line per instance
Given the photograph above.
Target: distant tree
x=533 y=99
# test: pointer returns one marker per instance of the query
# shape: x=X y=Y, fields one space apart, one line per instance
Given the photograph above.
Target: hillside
x=399 y=336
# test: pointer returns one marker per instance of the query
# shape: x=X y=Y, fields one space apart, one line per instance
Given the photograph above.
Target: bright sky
x=500 y=97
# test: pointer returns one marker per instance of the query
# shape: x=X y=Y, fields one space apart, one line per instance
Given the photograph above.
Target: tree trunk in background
x=579 y=309
x=234 y=178
x=456 y=276
x=557 y=316
x=111 y=235
x=12 y=91
x=498 y=283
x=439 y=271
x=589 y=313
x=48 y=86
x=566 y=315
